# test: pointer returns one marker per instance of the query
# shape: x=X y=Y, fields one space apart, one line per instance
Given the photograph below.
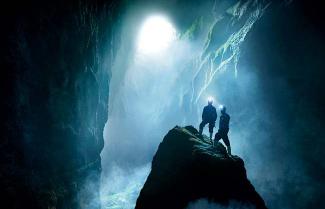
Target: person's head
x=223 y=109
x=210 y=101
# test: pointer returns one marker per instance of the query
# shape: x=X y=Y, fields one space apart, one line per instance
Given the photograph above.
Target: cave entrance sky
x=156 y=35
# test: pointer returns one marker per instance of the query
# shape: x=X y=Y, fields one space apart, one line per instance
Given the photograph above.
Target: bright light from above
x=156 y=34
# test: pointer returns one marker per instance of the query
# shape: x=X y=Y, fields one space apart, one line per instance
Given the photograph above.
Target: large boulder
x=187 y=168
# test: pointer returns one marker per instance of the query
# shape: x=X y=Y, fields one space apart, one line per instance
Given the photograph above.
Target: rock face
x=187 y=168
x=56 y=60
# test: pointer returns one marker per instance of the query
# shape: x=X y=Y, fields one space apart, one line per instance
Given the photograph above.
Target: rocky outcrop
x=187 y=168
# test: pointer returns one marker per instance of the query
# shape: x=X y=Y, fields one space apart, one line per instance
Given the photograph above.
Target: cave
x=90 y=88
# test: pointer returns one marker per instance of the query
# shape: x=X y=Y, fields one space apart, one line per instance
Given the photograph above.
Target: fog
x=145 y=103
x=203 y=203
x=150 y=93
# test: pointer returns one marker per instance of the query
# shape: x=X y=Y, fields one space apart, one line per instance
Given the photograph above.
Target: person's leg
x=227 y=142
x=217 y=137
x=202 y=124
x=211 y=126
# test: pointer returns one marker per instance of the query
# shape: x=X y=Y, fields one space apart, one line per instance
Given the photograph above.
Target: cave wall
x=56 y=58
x=285 y=51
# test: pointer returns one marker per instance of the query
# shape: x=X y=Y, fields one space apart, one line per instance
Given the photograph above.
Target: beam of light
x=156 y=35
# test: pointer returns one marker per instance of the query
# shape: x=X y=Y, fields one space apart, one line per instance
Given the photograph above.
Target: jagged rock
x=187 y=168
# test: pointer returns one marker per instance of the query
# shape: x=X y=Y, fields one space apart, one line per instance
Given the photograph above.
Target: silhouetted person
x=209 y=116
x=223 y=129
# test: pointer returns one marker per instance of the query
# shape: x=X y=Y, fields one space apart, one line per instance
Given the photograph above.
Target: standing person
x=223 y=129
x=209 y=115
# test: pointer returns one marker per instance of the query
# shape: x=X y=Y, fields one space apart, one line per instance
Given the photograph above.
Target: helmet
x=222 y=108
x=210 y=100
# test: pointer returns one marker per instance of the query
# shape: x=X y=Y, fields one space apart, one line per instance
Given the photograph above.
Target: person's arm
x=203 y=113
x=215 y=115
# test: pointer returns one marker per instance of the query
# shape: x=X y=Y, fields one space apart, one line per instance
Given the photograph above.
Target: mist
x=152 y=93
x=204 y=203
x=145 y=103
